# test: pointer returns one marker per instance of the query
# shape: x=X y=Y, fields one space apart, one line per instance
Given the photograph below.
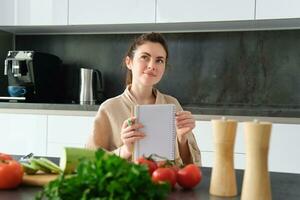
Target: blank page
x=159 y=128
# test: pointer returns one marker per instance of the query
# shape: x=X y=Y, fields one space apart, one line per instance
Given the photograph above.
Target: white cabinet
x=7 y=14
x=37 y=12
x=204 y=10
x=279 y=9
x=283 y=151
x=33 y=12
x=111 y=12
x=70 y=131
x=284 y=148
x=23 y=133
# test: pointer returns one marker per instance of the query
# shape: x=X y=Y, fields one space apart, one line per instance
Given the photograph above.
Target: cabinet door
x=7 y=13
x=37 y=12
x=284 y=148
x=279 y=9
x=23 y=133
x=72 y=131
x=204 y=10
x=111 y=12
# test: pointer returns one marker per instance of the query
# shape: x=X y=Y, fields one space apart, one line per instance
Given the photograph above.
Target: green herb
x=107 y=177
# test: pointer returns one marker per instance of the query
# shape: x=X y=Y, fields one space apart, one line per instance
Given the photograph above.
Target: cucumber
x=28 y=168
x=35 y=162
x=71 y=157
x=50 y=165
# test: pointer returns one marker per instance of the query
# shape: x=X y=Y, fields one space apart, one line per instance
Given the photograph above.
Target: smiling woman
x=148 y=64
x=145 y=62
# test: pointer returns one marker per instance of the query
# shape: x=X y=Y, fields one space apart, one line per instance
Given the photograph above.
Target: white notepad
x=159 y=128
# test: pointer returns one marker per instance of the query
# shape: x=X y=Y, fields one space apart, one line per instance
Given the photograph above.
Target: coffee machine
x=38 y=72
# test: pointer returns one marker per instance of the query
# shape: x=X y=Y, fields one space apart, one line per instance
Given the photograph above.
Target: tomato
x=189 y=176
x=168 y=164
x=175 y=168
x=151 y=164
x=11 y=174
x=4 y=156
x=164 y=175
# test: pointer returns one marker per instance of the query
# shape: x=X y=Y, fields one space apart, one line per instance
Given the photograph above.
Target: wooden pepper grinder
x=223 y=179
x=256 y=183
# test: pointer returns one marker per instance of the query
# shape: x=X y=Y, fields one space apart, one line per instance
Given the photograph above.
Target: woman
x=146 y=61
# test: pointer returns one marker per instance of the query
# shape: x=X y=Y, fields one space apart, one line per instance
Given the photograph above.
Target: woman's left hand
x=185 y=122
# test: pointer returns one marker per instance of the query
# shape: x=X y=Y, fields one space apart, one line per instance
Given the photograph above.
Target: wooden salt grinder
x=223 y=179
x=256 y=183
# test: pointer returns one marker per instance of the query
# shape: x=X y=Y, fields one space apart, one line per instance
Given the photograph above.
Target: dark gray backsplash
x=227 y=69
x=6 y=44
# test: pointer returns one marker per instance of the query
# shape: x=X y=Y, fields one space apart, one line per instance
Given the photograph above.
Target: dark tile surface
x=256 y=71
x=6 y=44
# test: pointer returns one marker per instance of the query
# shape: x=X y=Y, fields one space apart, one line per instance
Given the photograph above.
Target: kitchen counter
x=284 y=186
x=275 y=115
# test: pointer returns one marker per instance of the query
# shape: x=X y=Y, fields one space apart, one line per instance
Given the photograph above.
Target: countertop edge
x=284 y=120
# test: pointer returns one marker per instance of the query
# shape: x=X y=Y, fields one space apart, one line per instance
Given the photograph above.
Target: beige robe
x=113 y=112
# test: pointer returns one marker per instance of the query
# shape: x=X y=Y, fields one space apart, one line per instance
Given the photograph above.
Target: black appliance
x=39 y=72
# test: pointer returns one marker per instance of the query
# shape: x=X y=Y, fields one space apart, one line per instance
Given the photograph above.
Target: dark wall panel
x=6 y=44
x=231 y=69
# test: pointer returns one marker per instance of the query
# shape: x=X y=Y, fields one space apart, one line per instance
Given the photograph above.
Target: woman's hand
x=129 y=135
x=185 y=122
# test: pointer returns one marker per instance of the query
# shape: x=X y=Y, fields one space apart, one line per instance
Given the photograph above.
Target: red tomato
x=175 y=168
x=164 y=175
x=4 y=156
x=167 y=164
x=189 y=176
x=152 y=166
x=11 y=174
x=161 y=163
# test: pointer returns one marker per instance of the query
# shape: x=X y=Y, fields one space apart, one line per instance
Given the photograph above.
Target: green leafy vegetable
x=107 y=177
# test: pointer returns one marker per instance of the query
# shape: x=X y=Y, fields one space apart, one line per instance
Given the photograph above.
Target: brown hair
x=142 y=39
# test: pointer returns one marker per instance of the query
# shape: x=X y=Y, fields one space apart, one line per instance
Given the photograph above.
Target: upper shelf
x=248 y=25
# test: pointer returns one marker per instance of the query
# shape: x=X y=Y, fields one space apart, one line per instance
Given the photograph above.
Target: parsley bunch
x=107 y=177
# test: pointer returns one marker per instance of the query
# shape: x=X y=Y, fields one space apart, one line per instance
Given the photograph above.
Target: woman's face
x=148 y=64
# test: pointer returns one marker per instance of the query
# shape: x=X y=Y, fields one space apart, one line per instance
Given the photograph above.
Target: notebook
x=159 y=128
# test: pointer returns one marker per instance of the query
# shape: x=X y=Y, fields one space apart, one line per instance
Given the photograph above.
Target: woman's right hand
x=129 y=135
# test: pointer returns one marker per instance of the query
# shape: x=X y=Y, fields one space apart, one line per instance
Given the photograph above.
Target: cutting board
x=38 y=179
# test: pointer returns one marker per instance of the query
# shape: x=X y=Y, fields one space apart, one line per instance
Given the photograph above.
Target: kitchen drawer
x=69 y=129
x=23 y=133
x=284 y=148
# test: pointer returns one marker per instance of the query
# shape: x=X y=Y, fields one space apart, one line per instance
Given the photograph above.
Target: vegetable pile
x=166 y=171
x=105 y=177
